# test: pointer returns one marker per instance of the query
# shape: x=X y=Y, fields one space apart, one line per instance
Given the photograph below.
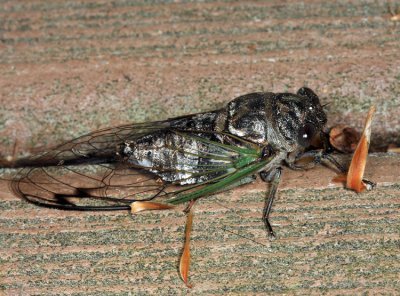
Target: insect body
x=179 y=159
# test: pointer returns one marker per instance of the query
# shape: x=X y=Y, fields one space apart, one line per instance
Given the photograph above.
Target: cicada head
x=285 y=121
x=299 y=117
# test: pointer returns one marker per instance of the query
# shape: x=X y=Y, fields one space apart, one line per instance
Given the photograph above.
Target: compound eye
x=310 y=94
x=306 y=134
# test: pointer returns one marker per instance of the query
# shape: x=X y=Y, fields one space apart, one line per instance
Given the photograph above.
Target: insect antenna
x=241 y=235
x=324 y=105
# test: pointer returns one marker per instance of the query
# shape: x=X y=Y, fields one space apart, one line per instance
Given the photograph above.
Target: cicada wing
x=86 y=173
x=86 y=187
x=97 y=147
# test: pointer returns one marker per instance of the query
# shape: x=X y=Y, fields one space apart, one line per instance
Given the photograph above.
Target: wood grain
x=329 y=240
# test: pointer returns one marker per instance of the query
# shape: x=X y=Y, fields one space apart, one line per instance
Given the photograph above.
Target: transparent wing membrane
x=88 y=173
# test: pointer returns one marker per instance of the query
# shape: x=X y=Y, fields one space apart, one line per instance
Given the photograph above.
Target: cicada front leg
x=318 y=157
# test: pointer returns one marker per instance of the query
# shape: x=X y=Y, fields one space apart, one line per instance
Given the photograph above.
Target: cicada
x=180 y=159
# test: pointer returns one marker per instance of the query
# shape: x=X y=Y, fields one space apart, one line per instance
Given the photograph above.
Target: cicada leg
x=189 y=206
x=274 y=177
x=318 y=156
x=326 y=156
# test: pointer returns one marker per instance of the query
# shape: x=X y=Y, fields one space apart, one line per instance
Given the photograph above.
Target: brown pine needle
x=359 y=160
x=139 y=206
x=184 y=264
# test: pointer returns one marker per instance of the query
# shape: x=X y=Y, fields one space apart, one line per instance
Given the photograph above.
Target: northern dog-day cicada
x=180 y=159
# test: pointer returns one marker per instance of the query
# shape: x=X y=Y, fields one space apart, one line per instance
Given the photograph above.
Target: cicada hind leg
x=273 y=177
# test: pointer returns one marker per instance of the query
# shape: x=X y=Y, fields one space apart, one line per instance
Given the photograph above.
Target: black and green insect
x=180 y=159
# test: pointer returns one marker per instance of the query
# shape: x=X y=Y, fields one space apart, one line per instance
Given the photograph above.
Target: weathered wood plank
x=69 y=67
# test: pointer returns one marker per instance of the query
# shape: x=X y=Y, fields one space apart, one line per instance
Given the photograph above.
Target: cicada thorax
x=248 y=117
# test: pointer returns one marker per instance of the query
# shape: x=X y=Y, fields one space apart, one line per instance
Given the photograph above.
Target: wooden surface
x=329 y=240
x=72 y=67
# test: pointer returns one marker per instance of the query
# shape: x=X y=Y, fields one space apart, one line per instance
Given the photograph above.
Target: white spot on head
x=305 y=136
x=310 y=108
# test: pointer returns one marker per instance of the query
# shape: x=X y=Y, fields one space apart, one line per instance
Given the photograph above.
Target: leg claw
x=369 y=185
x=271 y=235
